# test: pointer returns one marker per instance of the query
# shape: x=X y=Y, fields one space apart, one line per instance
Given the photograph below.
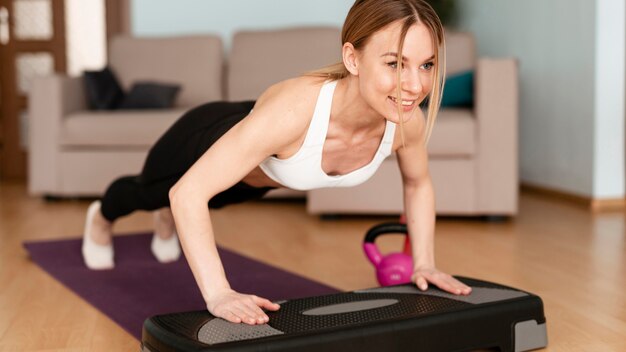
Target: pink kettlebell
x=394 y=268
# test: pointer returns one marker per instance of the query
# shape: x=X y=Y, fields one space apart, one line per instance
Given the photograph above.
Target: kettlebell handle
x=382 y=229
x=371 y=251
x=394 y=268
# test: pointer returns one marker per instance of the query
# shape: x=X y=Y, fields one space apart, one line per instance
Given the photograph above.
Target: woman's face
x=377 y=64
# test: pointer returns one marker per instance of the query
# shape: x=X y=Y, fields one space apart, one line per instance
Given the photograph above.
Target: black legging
x=172 y=155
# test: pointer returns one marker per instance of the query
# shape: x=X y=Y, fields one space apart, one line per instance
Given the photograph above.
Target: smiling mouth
x=404 y=102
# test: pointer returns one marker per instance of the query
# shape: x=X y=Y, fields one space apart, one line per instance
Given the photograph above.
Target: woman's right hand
x=239 y=308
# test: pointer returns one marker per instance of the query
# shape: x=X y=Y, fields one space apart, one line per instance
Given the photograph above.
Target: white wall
x=166 y=17
x=571 y=56
x=608 y=178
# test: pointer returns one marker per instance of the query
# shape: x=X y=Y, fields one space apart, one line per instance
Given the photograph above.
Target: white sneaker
x=165 y=251
x=96 y=256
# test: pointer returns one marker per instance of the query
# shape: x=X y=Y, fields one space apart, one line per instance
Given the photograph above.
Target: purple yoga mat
x=140 y=287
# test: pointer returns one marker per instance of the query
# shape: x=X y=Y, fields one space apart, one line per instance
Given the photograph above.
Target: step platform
x=394 y=318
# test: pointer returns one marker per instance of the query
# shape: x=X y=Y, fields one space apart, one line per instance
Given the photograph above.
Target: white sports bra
x=303 y=170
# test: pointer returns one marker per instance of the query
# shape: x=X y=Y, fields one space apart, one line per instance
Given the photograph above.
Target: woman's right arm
x=275 y=123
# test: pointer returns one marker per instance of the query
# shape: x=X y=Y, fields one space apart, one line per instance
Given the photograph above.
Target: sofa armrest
x=51 y=99
x=497 y=109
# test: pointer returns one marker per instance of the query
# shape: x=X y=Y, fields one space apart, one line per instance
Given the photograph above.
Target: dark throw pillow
x=150 y=95
x=102 y=89
x=459 y=90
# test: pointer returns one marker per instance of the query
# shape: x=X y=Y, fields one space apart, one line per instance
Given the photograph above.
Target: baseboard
x=605 y=205
x=593 y=204
x=557 y=194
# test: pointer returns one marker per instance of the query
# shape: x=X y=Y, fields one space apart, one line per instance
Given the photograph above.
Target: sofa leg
x=330 y=217
x=496 y=218
x=50 y=199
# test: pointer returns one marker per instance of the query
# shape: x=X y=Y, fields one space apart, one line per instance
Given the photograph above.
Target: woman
x=330 y=128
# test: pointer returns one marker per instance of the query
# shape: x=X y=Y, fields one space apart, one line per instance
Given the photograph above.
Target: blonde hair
x=366 y=17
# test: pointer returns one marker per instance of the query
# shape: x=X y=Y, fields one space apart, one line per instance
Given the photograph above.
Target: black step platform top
x=354 y=315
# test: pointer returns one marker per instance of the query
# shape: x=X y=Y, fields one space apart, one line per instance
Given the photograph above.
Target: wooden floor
x=574 y=260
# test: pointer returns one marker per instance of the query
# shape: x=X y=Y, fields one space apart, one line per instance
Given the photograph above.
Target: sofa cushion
x=460 y=52
x=150 y=95
x=454 y=134
x=194 y=62
x=116 y=128
x=102 y=89
x=259 y=59
x=459 y=90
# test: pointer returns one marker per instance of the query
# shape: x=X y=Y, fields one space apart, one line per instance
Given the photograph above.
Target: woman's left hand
x=422 y=276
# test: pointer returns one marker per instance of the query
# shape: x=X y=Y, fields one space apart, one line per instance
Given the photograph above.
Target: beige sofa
x=76 y=152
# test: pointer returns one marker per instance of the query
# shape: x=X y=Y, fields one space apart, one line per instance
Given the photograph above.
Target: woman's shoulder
x=287 y=106
x=297 y=93
x=290 y=102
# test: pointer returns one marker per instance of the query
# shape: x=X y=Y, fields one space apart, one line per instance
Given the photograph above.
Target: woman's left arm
x=419 y=207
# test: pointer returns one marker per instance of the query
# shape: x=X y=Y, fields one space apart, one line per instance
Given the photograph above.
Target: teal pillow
x=459 y=90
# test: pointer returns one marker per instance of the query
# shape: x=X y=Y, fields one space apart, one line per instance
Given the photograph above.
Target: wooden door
x=32 y=43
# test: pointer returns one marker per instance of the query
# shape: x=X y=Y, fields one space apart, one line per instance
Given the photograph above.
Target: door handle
x=4 y=26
